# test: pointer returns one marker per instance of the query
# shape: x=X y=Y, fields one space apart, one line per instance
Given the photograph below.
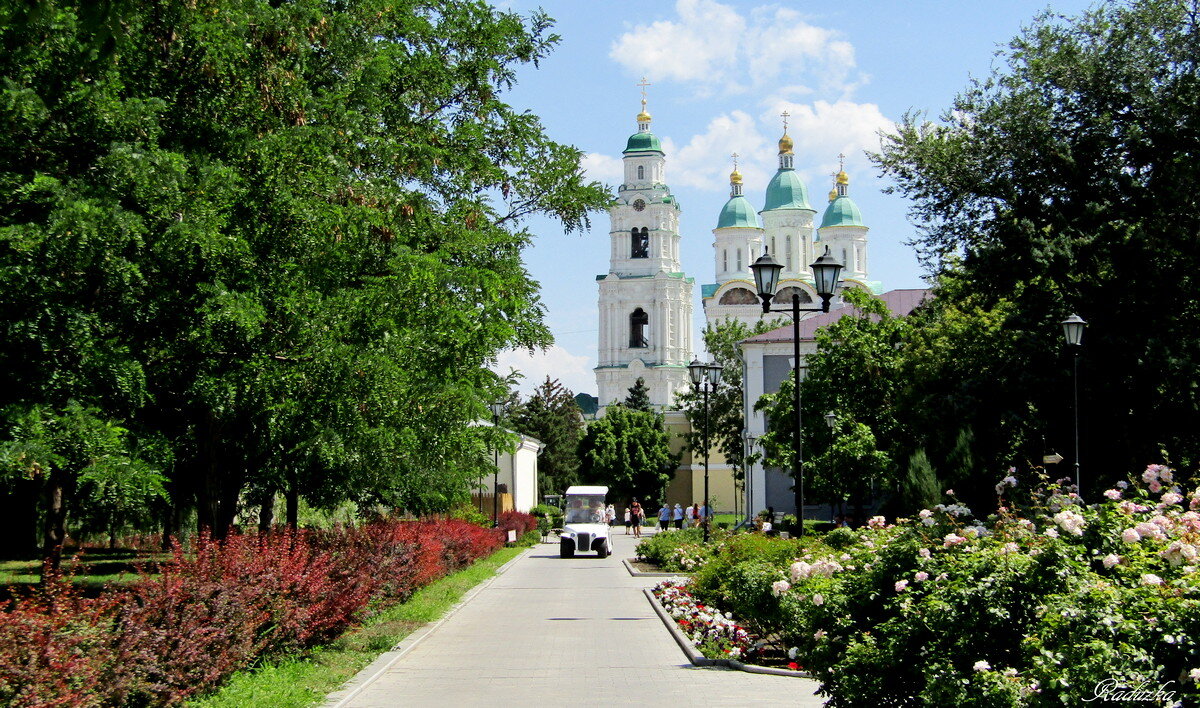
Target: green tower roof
x=842 y=212
x=786 y=191
x=737 y=212
x=643 y=142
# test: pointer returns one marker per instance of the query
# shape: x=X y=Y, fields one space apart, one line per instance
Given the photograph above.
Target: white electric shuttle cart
x=584 y=526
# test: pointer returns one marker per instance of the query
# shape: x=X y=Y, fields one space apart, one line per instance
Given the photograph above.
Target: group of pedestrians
x=693 y=516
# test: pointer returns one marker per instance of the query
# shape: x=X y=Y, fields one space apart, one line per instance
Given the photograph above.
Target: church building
x=785 y=228
x=645 y=298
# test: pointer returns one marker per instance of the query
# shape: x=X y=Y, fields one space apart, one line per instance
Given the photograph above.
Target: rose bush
x=1037 y=604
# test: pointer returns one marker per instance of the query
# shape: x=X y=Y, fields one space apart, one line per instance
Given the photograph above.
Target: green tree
x=629 y=451
x=857 y=374
x=552 y=416
x=286 y=237
x=639 y=397
x=1066 y=182
x=847 y=468
x=78 y=458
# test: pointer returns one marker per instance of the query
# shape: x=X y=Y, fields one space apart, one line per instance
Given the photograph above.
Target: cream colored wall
x=687 y=487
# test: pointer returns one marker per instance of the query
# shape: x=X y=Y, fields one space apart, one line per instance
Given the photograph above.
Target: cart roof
x=580 y=490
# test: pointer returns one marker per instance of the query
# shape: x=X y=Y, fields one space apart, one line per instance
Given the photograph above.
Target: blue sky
x=721 y=72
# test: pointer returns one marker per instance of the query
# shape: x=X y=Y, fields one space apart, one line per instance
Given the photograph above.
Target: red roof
x=899 y=302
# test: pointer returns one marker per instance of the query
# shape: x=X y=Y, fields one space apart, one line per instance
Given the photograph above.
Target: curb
x=699 y=659
x=355 y=685
x=643 y=574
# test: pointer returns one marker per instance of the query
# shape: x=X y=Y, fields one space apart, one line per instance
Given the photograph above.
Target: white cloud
x=695 y=49
x=706 y=161
x=604 y=168
x=821 y=130
x=573 y=371
x=714 y=48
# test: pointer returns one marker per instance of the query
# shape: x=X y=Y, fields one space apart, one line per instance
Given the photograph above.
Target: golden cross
x=644 y=83
x=841 y=162
x=735 y=157
x=785 y=115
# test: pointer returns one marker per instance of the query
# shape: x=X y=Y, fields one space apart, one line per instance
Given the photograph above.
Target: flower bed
x=714 y=634
x=1044 y=602
x=217 y=609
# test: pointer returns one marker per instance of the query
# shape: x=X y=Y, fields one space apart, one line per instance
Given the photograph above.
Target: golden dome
x=643 y=117
x=785 y=145
x=843 y=178
x=735 y=177
x=832 y=194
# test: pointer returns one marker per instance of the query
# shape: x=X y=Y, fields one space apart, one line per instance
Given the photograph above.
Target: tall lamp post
x=497 y=409
x=705 y=377
x=831 y=421
x=766 y=279
x=1073 y=331
x=747 y=474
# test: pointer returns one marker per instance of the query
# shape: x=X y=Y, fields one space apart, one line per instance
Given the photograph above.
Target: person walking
x=678 y=516
x=638 y=514
x=690 y=513
x=611 y=514
x=664 y=517
x=628 y=523
x=696 y=515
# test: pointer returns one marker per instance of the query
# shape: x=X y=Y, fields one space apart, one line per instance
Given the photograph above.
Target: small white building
x=516 y=476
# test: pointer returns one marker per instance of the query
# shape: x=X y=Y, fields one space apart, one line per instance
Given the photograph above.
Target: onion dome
x=842 y=211
x=737 y=212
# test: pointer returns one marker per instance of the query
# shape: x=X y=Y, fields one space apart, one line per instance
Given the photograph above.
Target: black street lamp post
x=1073 y=331
x=705 y=377
x=497 y=409
x=831 y=421
x=766 y=279
x=747 y=473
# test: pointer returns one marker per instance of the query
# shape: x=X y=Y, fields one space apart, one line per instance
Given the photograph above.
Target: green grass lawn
x=306 y=680
x=91 y=567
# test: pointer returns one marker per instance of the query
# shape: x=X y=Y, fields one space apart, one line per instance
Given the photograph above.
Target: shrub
x=840 y=538
x=672 y=550
x=214 y=610
x=517 y=521
x=1039 y=604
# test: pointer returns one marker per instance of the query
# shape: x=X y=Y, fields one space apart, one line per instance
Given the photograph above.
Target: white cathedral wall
x=778 y=225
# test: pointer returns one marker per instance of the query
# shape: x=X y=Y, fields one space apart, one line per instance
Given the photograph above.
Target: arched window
x=844 y=261
x=641 y=172
x=725 y=260
x=639 y=246
x=788 y=245
x=739 y=259
x=774 y=250
x=784 y=295
x=739 y=296
x=639 y=324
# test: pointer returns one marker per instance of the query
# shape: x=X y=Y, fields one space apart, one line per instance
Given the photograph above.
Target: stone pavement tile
x=575 y=631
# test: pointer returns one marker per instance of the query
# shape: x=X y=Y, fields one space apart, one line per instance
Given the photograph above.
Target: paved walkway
x=576 y=632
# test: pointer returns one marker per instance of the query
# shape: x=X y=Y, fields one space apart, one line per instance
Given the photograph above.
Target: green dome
x=737 y=212
x=842 y=212
x=786 y=191
x=643 y=142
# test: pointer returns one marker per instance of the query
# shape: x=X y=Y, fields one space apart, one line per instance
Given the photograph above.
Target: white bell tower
x=645 y=298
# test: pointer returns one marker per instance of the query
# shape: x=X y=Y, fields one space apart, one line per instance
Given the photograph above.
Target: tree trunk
x=266 y=512
x=56 y=520
x=293 y=504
